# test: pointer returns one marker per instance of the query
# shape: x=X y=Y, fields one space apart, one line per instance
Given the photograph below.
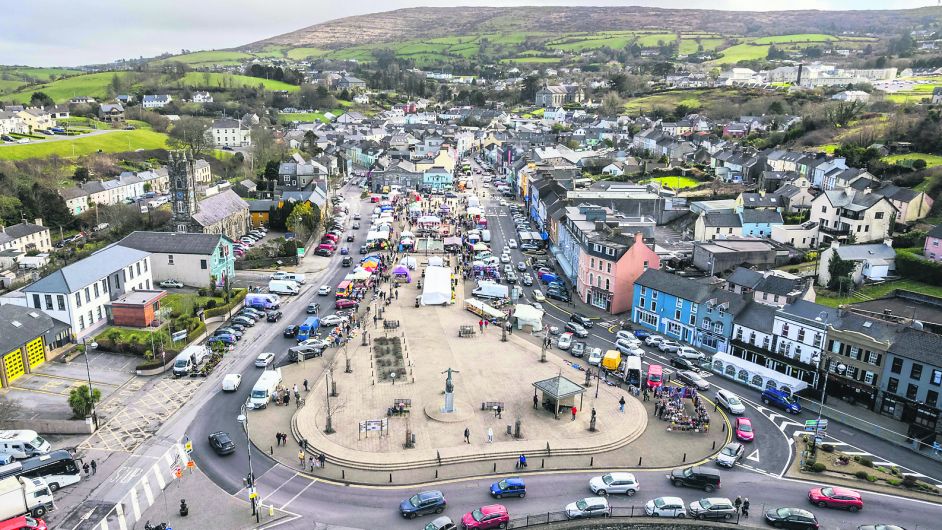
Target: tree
x=776 y=107
x=843 y=112
x=9 y=409
x=301 y=220
x=530 y=86
x=10 y=208
x=612 y=104
x=82 y=402
x=191 y=133
x=839 y=271
x=40 y=99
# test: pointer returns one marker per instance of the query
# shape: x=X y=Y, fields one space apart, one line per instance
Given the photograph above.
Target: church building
x=224 y=213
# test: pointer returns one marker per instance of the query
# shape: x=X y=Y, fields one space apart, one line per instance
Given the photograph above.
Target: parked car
x=255 y=314
x=653 y=340
x=555 y=294
x=743 y=429
x=666 y=507
x=221 y=443
x=730 y=454
x=363 y=249
x=313 y=308
x=538 y=295
x=614 y=483
x=594 y=356
x=578 y=330
x=668 y=346
x=577 y=349
x=695 y=477
x=686 y=352
x=491 y=516
x=273 y=316
x=527 y=280
x=565 y=341
x=279 y=276
x=333 y=320
x=798 y=519
x=231 y=382
x=225 y=338
x=682 y=364
x=629 y=348
x=778 y=398
x=588 y=507
x=835 y=497
x=323 y=290
x=693 y=379
x=264 y=359
x=509 y=487
x=244 y=320
x=423 y=503
x=346 y=303
x=290 y=332
x=730 y=402
x=582 y=320
x=712 y=508
x=230 y=330
x=167 y=284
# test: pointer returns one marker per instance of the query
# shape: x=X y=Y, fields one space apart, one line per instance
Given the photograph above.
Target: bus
x=344 y=290
x=309 y=327
x=58 y=468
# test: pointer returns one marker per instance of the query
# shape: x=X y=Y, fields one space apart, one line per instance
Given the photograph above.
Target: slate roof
x=32 y=324
x=172 y=242
x=862 y=252
x=745 y=277
x=810 y=311
x=672 y=284
x=82 y=273
x=227 y=123
x=750 y=215
x=759 y=317
x=935 y=232
x=775 y=284
x=559 y=387
x=218 y=207
x=918 y=345
x=714 y=219
x=19 y=230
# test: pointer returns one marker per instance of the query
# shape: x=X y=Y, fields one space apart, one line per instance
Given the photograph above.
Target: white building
x=156 y=102
x=229 y=132
x=202 y=97
x=25 y=236
x=852 y=95
x=80 y=294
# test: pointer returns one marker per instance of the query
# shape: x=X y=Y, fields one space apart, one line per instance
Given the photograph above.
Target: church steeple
x=182 y=192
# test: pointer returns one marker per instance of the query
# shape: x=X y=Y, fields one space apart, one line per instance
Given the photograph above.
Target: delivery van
x=264 y=388
x=189 y=359
x=288 y=287
x=263 y=301
x=491 y=290
x=655 y=376
x=486 y=236
x=23 y=444
x=611 y=360
x=295 y=277
x=632 y=367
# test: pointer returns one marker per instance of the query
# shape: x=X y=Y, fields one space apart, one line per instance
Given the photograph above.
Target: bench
x=466 y=331
x=401 y=407
x=491 y=405
x=390 y=324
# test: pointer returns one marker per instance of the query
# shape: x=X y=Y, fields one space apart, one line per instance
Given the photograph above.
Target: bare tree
x=9 y=410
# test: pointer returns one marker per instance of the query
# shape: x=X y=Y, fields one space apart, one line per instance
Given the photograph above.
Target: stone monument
x=449 y=391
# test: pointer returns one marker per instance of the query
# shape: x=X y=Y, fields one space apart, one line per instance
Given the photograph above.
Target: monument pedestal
x=449 y=403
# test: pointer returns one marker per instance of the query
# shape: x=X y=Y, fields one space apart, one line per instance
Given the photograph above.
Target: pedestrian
x=481 y=325
x=485 y=324
x=301 y=458
x=745 y=507
x=311 y=461
x=85 y=467
x=497 y=410
x=287 y=398
x=657 y=406
x=716 y=405
x=536 y=402
x=490 y=435
x=277 y=438
x=574 y=410
x=323 y=460
x=738 y=503
x=94 y=467
x=305 y=385
x=467 y=435
x=646 y=394
x=522 y=461
x=621 y=404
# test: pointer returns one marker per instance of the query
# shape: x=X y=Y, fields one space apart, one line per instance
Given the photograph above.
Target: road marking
x=298 y=495
x=754 y=456
x=278 y=488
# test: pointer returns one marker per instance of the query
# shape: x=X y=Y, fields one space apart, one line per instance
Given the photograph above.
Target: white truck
x=288 y=287
x=264 y=388
x=22 y=496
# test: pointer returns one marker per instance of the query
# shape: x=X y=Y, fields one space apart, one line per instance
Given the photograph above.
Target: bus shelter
x=559 y=393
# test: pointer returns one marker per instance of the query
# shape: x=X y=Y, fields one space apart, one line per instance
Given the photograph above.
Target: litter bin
x=510 y=430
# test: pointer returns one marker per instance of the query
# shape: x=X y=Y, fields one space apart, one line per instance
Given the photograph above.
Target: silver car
x=712 y=508
x=729 y=455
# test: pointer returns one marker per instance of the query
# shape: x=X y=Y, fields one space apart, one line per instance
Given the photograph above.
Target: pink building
x=608 y=270
x=933 y=247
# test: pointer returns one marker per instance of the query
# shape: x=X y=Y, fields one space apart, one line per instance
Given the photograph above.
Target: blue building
x=689 y=311
x=437 y=178
x=759 y=222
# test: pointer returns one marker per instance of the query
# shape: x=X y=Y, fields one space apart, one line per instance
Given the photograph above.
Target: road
x=370 y=507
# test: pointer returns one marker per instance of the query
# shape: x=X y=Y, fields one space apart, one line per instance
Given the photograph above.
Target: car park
x=743 y=429
x=778 y=398
x=797 y=519
x=614 y=484
x=686 y=352
x=691 y=378
x=730 y=454
x=695 y=477
x=323 y=290
x=588 y=507
x=273 y=316
x=712 y=508
x=264 y=360
x=485 y=517
x=577 y=349
x=171 y=284
x=509 y=487
x=666 y=507
x=578 y=330
x=730 y=402
x=221 y=443
x=835 y=497
x=290 y=332
x=231 y=382
x=423 y=503
x=565 y=341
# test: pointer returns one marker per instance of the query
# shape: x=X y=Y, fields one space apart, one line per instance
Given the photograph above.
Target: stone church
x=224 y=213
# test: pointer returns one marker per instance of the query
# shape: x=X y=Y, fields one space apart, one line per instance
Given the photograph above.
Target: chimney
x=867 y=190
x=39 y=221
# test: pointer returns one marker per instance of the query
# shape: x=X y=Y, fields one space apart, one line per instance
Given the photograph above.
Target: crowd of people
x=671 y=406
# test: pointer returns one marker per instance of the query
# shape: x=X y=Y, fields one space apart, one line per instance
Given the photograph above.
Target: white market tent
x=436 y=286
x=473 y=210
x=527 y=315
x=436 y=261
x=409 y=262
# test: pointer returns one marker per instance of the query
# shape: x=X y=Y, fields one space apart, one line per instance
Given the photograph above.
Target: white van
x=189 y=359
x=284 y=287
x=264 y=388
x=295 y=277
x=23 y=444
x=491 y=290
x=486 y=236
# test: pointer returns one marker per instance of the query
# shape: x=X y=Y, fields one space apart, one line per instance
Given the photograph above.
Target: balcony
x=841 y=230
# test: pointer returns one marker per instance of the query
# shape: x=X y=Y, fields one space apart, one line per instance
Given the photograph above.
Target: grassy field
x=112 y=142
x=217 y=80
x=93 y=85
x=674 y=182
x=307 y=116
x=876 y=291
x=539 y=60
x=742 y=52
x=931 y=160
x=668 y=100
x=688 y=46
x=221 y=57
x=800 y=37
x=298 y=54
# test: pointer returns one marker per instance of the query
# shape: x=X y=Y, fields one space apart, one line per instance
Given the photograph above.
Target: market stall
x=401 y=274
x=437 y=286
x=528 y=318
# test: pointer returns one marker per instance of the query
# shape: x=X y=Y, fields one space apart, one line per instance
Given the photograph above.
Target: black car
x=792 y=518
x=578 y=330
x=556 y=294
x=683 y=364
x=236 y=326
x=304 y=351
x=221 y=443
x=291 y=331
x=273 y=316
x=423 y=503
x=350 y=238
x=695 y=477
x=582 y=320
x=346 y=261
x=363 y=249
x=323 y=252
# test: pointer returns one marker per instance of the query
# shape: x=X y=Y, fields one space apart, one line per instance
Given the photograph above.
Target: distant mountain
x=427 y=23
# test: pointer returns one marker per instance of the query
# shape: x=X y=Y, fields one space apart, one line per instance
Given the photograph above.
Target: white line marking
x=298 y=495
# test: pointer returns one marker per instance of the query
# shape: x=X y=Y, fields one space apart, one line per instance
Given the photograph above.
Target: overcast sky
x=70 y=32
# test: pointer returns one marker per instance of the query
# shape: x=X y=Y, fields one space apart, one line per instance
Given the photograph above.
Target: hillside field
x=109 y=142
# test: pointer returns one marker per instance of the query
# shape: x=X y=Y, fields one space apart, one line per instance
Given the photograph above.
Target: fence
x=620 y=512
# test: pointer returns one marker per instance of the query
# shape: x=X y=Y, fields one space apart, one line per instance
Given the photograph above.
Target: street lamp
x=824 y=388
x=253 y=495
x=91 y=392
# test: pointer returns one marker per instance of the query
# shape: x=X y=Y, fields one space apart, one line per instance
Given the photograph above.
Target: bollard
x=685 y=457
x=343 y=474
x=542 y=462
x=591 y=461
x=436 y=473
x=495 y=467
x=724 y=427
x=639 y=461
x=714 y=445
x=271 y=450
x=271 y=510
x=390 y=478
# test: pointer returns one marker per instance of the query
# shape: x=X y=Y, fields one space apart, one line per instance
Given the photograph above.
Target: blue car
x=509 y=487
x=777 y=398
x=422 y=503
x=641 y=334
x=224 y=338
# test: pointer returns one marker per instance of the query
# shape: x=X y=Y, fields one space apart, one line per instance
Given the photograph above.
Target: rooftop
x=80 y=274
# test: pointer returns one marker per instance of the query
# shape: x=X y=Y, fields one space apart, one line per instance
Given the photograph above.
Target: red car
x=744 y=432
x=346 y=303
x=493 y=516
x=834 y=497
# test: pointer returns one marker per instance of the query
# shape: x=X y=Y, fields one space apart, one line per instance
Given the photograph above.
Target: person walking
x=738 y=504
x=522 y=461
x=574 y=410
x=278 y=438
x=657 y=405
x=485 y=325
x=311 y=462
x=536 y=402
x=745 y=507
x=621 y=404
x=481 y=325
x=645 y=393
x=323 y=460
x=94 y=467
x=497 y=411
x=85 y=468
x=301 y=458
x=305 y=385
x=467 y=435
x=490 y=435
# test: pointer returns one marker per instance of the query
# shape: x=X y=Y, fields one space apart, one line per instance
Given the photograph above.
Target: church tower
x=182 y=193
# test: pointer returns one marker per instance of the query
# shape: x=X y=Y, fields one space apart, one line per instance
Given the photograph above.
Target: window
x=644 y=290
x=96 y=290
x=81 y=322
x=641 y=302
x=897 y=366
x=145 y=265
x=854 y=353
x=911 y=391
x=138 y=267
x=608 y=268
x=88 y=295
x=784 y=330
x=892 y=385
x=61 y=300
x=879 y=215
x=738 y=333
x=873 y=357
x=653 y=305
x=677 y=314
x=717 y=327
x=203 y=264
x=936 y=378
x=680 y=303
x=801 y=334
x=99 y=312
x=48 y=301
x=766 y=342
x=592 y=263
x=824 y=209
x=591 y=277
x=169 y=259
x=647 y=318
x=78 y=300
x=869 y=377
x=646 y=264
x=90 y=319
x=817 y=336
x=608 y=283
x=36 y=302
x=931 y=397
x=916 y=372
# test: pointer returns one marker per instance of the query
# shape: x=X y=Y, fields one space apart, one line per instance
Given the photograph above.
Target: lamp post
x=824 y=388
x=253 y=495
x=88 y=373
